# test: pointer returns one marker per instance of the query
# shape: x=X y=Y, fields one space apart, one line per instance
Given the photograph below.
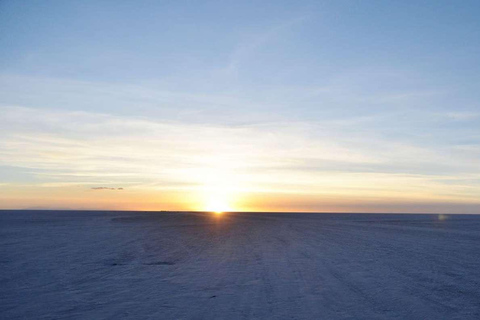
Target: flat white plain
x=132 y=265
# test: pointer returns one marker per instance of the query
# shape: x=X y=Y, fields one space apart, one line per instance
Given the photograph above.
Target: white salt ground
x=127 y=265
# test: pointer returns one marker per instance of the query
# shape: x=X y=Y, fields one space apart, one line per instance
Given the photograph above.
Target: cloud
x=247 y=48
x=105 y=188
x=344 y=138
x=67 y=148
x=461 y=116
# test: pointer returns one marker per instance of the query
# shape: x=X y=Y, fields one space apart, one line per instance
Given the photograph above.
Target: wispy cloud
x=345 y=139
x=461 y=116
x=247 y=48
x=289 y=158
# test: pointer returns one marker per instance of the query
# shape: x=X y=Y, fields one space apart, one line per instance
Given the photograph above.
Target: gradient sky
x=358 y=106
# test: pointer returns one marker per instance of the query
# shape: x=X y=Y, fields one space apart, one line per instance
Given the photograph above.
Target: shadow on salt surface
x=159 y=263
x=439 y=222
x=163 y=239
x=156 y=263
x=168 y=219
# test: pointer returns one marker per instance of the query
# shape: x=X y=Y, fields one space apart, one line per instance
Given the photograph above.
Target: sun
x=218 y=204
x=218 y=199
x=219 y=191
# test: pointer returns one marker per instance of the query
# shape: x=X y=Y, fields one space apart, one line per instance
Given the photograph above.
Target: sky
x=311 y=106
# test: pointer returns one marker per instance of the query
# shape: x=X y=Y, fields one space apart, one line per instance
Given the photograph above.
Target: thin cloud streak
x=246 y=49
x=177 y=157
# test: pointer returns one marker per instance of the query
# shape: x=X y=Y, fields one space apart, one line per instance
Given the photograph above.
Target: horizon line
x=260 y=212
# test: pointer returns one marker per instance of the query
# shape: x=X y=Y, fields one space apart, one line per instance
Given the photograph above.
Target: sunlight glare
x=218 y=203
x=217 y=198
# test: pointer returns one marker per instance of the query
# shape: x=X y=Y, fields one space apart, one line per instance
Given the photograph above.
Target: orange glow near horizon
x=228 y=193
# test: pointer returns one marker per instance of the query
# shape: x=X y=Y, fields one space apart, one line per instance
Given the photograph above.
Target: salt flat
x=134 y=265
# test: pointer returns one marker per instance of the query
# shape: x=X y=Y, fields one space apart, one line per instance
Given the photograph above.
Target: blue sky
x=331 y=105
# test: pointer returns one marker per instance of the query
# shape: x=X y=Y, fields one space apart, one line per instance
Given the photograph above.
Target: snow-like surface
x=126 y=265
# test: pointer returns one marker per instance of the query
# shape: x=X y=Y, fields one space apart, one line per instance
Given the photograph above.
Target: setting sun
x=217 y=203
x=220 y=189
x=218 y=198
